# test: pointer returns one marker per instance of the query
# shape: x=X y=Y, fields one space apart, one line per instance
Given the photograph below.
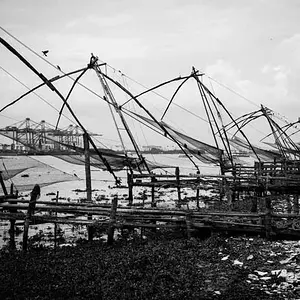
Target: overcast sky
x=252 y=47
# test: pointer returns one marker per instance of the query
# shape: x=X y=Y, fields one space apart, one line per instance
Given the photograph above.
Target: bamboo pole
x=127 y=211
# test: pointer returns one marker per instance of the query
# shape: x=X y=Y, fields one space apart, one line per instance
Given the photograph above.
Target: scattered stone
x=265 y=278
x=261 y=273
x=225 y=257
x=237 y=263
x=253 y=277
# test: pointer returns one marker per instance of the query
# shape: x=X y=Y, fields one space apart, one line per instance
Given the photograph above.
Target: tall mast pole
x=111 y=99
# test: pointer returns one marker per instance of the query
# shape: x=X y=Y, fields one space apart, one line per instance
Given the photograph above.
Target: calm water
x=102 y=183
x=101 y=179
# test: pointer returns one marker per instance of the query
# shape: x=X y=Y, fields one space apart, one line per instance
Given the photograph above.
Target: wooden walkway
x=109 y=217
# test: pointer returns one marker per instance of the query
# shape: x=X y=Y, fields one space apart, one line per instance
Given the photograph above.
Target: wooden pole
x=153 y=203
x=35 y=194
x=11 y=189
x=268 y=218
x=188 y=220
x=12 y=242
x=254 y=203
x=87 y=168
x=177 y=173
x=130 y=188
x=55 y=224
x=88 y=181
x=112 y=221
x=198 y=190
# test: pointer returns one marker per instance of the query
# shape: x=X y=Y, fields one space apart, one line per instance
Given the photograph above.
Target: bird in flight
x=45 y=52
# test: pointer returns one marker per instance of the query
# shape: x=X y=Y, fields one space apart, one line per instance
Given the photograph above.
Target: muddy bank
x=162 y=266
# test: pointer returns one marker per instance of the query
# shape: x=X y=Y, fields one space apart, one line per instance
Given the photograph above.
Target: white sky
x=252 y=46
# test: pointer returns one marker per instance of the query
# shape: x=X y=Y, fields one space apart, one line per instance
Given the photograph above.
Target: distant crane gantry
x=28 y=135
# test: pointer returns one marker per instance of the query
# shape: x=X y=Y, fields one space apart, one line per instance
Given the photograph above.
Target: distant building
x=152 y=147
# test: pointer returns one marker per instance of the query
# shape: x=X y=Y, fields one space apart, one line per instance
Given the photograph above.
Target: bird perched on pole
x=45 y=52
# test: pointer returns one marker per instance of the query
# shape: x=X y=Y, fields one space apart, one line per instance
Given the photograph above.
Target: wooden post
x=88 y=181
x=112 y=221
x=90 y=232
x=87 y=168
x=268 y=218
x=11 y=189
x=55 y=224
x=130 y=187
x=296 y=204
x=198 y=190
x=188 y=220
x=12 y=242
x=153 y=203
x=254 y=203
x=35 y=194
x=178 y=186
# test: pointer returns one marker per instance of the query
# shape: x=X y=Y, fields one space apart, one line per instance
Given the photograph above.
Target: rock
x=237 y=263
x=265 y=278
x=261 y=273
x=283 y=273
x=225 y=257
x=253 y=277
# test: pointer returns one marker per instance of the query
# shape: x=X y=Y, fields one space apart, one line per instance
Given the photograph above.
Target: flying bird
x=45 y=52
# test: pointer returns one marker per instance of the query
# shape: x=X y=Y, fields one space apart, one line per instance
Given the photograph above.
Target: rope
x=27 y=87
x=49 y=63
